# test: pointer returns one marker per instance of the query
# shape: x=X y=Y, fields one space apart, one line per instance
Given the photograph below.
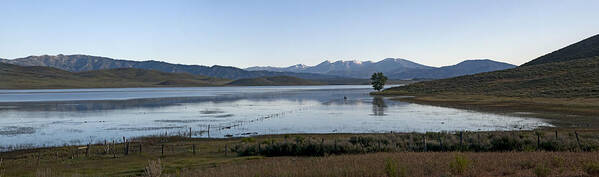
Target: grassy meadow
x=519 y=153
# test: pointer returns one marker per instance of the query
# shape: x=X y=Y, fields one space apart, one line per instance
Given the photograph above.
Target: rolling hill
x=38 y=77
x=274 y=81
x=583 y=49
x=557 y=75
x=80 y=63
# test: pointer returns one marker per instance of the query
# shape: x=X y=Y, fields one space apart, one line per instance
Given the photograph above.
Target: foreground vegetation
x=342 y=154
x=412 y=164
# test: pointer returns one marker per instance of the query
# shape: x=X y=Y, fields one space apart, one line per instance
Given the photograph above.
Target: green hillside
x=583 y=49
x=19 y=77
x=277 y=81
x=557 y=83
x=576 y=78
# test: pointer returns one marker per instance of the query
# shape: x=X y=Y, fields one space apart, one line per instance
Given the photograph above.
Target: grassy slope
x=18 y=77
x=583 y=49
x=571 y=79
x=570 y=87
x=277 y=80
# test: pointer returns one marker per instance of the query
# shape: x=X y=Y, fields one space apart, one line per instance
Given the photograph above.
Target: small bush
x=154 y=169
x=299 y=139
x=527 y=165
x=248 y=140
x=459 y=165
x=592 y=168
x=45 y=172
x=557 y=162
x=391 y=168
x=542 y=171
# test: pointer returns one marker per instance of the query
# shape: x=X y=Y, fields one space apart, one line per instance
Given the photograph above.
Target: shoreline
x=565 y=112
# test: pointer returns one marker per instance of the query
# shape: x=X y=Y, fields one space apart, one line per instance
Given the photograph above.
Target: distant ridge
x=40 y=77
x=78 y=63
x=584 y=49
x=394 y=68
x=467 y=67
x=274 y=81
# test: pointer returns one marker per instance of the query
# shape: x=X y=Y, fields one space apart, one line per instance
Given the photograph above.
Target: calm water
x=81 y=116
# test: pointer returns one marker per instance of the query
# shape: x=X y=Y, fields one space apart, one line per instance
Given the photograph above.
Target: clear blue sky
x=284 y=32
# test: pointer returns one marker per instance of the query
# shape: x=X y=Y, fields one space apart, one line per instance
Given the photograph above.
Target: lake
x=80 y=116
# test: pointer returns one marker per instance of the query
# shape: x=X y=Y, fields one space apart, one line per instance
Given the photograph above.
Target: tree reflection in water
x=378 y=106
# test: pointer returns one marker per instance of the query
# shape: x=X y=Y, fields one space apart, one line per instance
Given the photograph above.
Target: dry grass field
x=415 y=164
x=397 y=154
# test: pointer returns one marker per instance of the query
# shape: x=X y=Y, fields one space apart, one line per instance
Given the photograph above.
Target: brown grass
x=416 y=164
x=210 y=159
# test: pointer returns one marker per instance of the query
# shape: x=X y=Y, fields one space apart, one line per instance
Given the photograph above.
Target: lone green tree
x=378 y=81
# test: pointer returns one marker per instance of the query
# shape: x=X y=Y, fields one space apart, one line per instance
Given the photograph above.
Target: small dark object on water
x=345 y=98
x=228 y=136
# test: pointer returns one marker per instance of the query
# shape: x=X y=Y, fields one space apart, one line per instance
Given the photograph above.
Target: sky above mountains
x=282 y=33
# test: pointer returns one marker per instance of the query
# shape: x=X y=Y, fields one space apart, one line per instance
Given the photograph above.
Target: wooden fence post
x=140 y=148
x=87 y=150
x=189 y=132
x=321 y=145
x=461 y=140
x=259 y=148
x=538 y=141
x=127 y=148
x=556 y=138
x=226 y=149
x=193 y=147
x=440 y=142
x=162 y=152
x=578 y=141
x=425 y=142
x=113 y=149
x=335 y=145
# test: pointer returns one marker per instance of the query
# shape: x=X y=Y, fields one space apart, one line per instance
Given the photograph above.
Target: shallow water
x=81 y=116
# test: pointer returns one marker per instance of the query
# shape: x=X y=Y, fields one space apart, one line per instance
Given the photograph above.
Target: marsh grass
x=154 y=169
x=459 y=165
x=414 y=142
x=391 y=169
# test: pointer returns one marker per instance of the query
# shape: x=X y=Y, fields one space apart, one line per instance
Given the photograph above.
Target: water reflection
x=378 y=106
x=337 y=109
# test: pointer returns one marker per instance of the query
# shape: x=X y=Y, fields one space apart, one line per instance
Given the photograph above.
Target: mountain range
x=80 y=63
x=394 y=68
